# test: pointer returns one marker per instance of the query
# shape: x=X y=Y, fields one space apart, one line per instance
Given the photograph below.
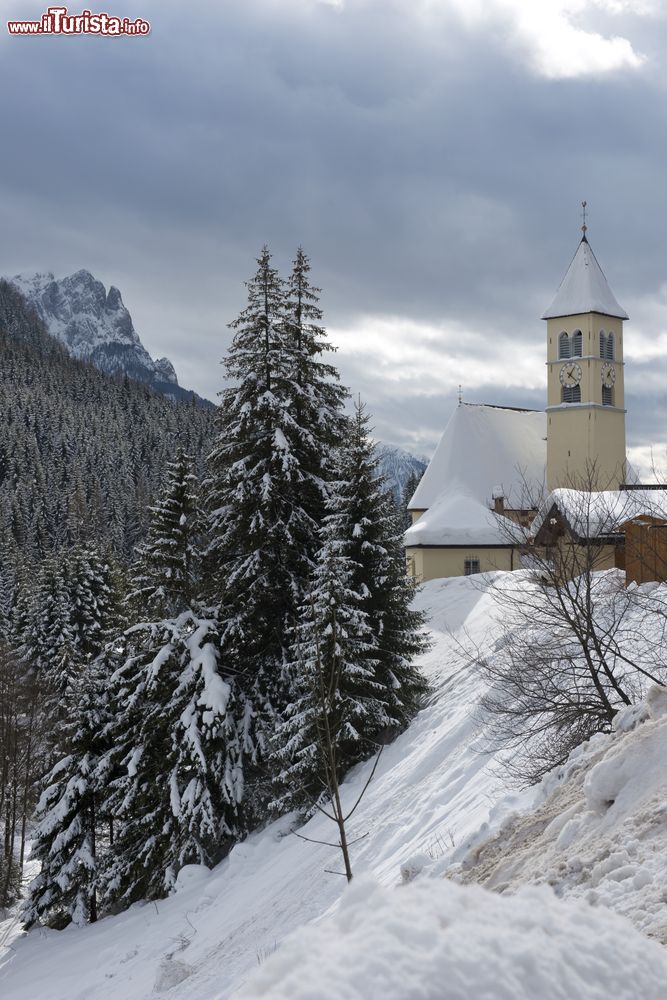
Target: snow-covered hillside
x=96 y=326
x=422 y=814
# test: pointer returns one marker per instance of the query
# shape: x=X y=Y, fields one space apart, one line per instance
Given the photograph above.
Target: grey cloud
x=428 y=172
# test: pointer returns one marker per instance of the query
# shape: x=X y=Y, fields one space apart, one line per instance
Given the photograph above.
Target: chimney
x=499 y=502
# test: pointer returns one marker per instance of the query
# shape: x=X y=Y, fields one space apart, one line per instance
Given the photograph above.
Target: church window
x=570 y=394
x=607 y=395
x=607 y=345
x=470 y=566
x=563 y=346
x=576 y=344
x=610 y=347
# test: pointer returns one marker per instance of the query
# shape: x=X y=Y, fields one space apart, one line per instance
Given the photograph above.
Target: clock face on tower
x=608 y=376
x=570 y=374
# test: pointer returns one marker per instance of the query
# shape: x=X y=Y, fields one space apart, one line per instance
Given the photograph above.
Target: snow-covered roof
x=457 y=518
x=584 y=288
x=591 y=515
x=486 y=451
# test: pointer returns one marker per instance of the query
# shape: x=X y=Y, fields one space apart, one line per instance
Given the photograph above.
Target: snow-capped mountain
x=397 y=465
x=96 y=326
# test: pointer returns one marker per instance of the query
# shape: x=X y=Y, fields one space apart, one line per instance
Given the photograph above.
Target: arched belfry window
x=607 y=345
x=570 y=394
x=563 y=346
x=610 y=347
x=576 y=344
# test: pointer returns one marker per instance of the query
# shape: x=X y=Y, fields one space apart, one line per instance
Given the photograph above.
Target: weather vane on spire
x=583 y=216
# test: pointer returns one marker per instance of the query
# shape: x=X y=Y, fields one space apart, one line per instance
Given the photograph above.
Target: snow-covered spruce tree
x=407 y=493
x=278 y=423
x=317 y=396
x=370 y=522
x=93 y=598
x=10 y=561
x=358 y=614
x=47 y=626
x=339 y=706
x=73 y=606
x=166 y=573
x=68 y=812
x=176 y=778
x=65 y=623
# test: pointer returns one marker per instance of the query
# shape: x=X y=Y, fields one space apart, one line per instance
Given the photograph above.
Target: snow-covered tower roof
x=584 y=288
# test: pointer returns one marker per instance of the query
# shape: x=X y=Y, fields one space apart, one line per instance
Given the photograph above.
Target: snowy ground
x=598 y=828
x=435 y=940
x=432 y=792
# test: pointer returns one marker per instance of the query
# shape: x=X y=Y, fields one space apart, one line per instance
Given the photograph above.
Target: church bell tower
x=585 y=401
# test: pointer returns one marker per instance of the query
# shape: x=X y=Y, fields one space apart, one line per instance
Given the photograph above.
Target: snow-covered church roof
x=457 y=518
x=584 y=288
x=486 y=451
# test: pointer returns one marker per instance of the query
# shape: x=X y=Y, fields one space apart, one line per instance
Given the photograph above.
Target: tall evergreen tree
x=47 y=624
x=318 y=397
x=174 y=758
x=369 y=519
x=166 y=574
x=68 y=812
x=359 y=623
x=339 y=706
x=278 y=422
x=407 y=493
x=93 y=599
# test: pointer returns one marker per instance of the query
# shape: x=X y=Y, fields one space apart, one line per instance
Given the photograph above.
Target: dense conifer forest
x=82 y=455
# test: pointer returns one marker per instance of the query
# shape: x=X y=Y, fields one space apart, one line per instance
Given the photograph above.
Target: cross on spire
x=583 y=216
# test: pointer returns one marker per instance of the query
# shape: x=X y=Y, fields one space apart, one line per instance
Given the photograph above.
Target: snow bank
x=439 y=941
x=598 y=827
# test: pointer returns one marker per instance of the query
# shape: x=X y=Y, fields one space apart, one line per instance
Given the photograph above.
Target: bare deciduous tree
x=575 y=642
x=330 y=723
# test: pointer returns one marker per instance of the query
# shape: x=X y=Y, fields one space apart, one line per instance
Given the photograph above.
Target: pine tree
x=48 y=631
x=371 y=521
x=318 y=398
x=360 y=584
x=407 y=493
x=278 y=425
x=68 y=811
x=339 y=706
x=93 y=599
x=166 y=574
x=175 y=758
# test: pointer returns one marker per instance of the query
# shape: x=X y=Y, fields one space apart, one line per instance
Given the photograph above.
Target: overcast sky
x=429 y=155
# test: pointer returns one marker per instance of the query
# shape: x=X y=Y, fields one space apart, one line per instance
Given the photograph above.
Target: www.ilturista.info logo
x=58 y=21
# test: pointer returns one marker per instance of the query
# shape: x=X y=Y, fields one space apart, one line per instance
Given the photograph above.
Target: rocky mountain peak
x=95 y=326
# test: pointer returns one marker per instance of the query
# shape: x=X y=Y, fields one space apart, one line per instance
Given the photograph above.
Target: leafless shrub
x=576 y=645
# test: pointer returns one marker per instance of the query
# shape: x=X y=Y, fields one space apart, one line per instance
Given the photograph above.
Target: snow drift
x=439 y=941
x=598 y=827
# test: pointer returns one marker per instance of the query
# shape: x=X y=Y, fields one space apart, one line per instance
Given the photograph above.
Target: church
x=498 y=471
